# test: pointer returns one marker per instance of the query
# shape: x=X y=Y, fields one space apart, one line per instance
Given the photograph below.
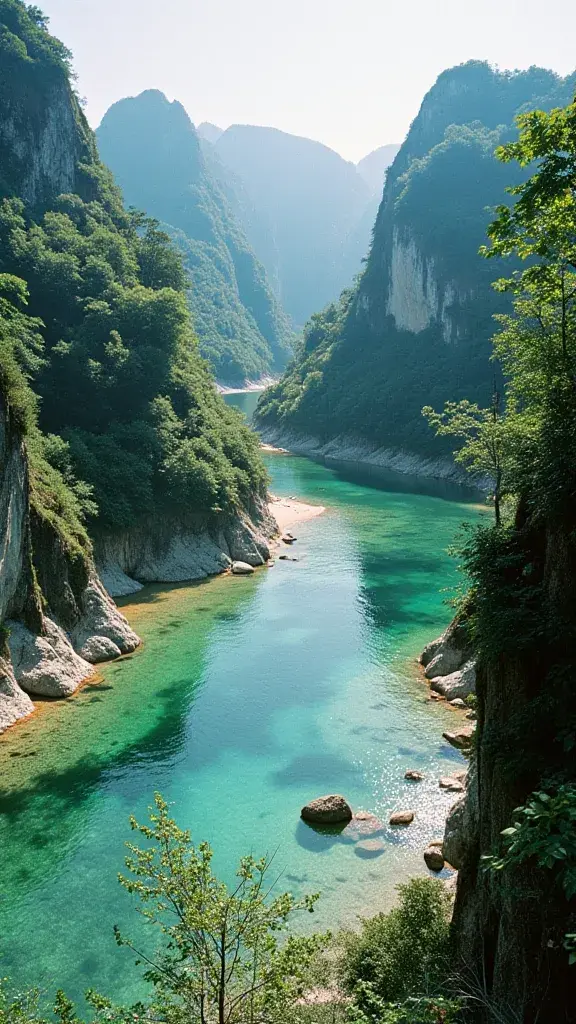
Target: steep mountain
x=112 y=436
x=415 y=330
x=373 y=167
x=157 y=159
x=313 y=201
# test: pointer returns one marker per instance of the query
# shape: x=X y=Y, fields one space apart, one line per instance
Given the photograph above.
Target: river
x=249 y=697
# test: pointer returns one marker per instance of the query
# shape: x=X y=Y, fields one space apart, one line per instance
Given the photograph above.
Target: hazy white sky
x=350 y=73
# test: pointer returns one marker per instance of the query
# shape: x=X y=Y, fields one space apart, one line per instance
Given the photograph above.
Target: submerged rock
x=369 y=848
x=402 y=817
x=327 y=809
x=363 y=825
x=242 y=569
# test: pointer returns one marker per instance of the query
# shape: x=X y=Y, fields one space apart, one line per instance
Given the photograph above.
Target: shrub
x=404 y=952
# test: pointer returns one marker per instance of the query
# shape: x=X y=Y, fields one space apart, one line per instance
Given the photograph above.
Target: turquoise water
x=244 y=401
x=249 y=697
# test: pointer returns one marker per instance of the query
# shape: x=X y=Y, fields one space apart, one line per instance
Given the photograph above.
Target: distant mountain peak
x=374 y=165
x=210 y=132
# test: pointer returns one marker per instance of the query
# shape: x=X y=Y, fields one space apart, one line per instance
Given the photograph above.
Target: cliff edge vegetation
x=514 y=924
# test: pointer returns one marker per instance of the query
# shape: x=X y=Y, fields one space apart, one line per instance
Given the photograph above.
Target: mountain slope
x=312 y=199
x=156 y=157
x=416 y=328
x=111 y=430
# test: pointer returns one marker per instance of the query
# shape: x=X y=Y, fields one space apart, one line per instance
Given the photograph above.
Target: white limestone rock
x=14 y=703
x=242 y=569
x=456 y=684
x=102 y=632
x=46 y=665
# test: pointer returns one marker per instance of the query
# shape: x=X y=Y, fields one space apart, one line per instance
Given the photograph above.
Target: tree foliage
x=121 y=379
x=222 y=959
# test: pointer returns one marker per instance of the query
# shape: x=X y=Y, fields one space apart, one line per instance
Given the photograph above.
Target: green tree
x=485 y=434
x=223 y=960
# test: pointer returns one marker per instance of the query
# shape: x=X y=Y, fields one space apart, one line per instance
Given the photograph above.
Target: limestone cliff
x=45 y=141
x=56 y=618
x=182 y=548
x=416 y=328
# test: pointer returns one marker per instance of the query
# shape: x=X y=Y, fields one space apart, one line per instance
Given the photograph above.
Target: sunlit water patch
x=249 y=697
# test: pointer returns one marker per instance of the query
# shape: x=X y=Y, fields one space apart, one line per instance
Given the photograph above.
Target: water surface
x=249 y=697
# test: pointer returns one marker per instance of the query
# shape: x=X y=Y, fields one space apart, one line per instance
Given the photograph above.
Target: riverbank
x=346 y=448
x=289 y=511
x=247 y=387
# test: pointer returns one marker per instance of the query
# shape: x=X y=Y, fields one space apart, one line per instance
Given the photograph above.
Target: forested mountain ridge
x=157 y=159
x=416 y=328
x=313 y=201
x=111 y=428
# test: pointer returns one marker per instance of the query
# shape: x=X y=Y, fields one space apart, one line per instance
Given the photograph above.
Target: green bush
x=403 y=953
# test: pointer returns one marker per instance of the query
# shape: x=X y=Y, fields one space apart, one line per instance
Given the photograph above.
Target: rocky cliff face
x=509 y=926
x=416 y=329
x=56 y=619
x=178 y=550
x=42 y=155
x=416 y=297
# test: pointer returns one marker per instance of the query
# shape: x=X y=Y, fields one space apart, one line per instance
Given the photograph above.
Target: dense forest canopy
x=156 y=156
x=121 y=388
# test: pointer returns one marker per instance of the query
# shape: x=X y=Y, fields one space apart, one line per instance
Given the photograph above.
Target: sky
x=349 y=73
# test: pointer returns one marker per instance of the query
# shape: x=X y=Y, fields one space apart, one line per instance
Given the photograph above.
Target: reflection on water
x=250 y=696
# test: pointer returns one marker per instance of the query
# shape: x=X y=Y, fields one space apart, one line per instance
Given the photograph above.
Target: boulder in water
x=402 y=817
x=369 y=848
x=413 y=775
x=327 y=810
x=242 y=569
x=450 y=783
x=434 y=858
x=363 y=825
x=462 y=738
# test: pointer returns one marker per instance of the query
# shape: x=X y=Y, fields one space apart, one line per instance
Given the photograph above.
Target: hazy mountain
x=374 y=166
x=157 y=159
x=313 y=201
x=208 y=131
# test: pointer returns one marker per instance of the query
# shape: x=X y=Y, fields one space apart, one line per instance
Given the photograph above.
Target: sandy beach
x=289 y=512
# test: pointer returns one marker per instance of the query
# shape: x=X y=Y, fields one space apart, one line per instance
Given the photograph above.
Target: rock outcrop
x=56 y=617
x=178 y=550
x=448 y=662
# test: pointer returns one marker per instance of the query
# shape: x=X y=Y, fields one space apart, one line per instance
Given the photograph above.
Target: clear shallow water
x=249 y=697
